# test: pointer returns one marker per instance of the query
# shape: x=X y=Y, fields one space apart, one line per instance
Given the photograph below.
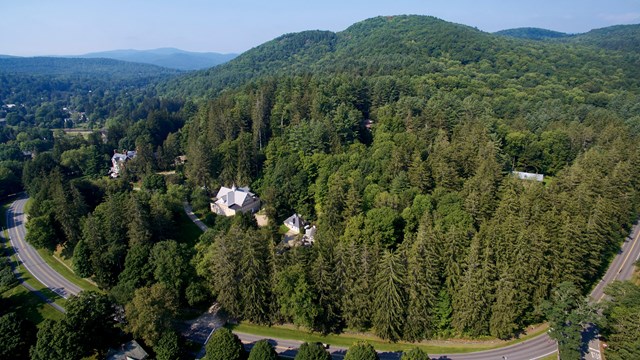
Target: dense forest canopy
x=397 y=138
x=423 y=199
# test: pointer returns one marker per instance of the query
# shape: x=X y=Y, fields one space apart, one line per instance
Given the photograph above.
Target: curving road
x=30 y=258
x=621 y=268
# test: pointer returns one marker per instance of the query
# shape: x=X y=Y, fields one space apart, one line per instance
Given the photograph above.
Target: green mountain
x=619 y=37
x=166 y=57
x=55 y=66
x=532 y=33
x=405 y=45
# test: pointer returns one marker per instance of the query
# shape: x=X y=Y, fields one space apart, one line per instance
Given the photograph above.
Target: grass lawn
x=29 y=279
x=283 y=229
x=29 y=306
x=23 y=301
x=553 y=356
x=62 y=266
x=346 y=340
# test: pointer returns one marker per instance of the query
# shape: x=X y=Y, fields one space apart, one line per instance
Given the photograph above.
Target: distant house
x=129 y=351
x=295 y=223
x=180 y=160
x=230 y=201
x=528 y=176
x=118 y=160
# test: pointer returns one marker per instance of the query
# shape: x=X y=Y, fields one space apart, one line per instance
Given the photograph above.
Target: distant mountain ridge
x=166 y=57
x=617 y=37
x=532 y=33
x=77 y=68
x=389 y=45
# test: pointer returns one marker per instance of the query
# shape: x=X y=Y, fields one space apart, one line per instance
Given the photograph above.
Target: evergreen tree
x=504 y=320
x=326 y=283
x=389 y=297
x=423 y=286
x=472 y=302
x=312 y=351
x=361 y=351
x=224 y=345
x=415 y=354
x=262 y=350
x=255 y=286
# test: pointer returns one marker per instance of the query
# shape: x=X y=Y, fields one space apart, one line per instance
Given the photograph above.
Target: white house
x=129 y=351
x=528 y=176
x=295 y=223
x=118 y=160
x=230 y=201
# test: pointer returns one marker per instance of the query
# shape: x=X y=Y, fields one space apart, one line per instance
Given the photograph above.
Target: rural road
x=621 y=268
x=30 y=258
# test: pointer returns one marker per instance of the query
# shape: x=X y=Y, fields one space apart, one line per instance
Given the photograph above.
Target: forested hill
x=409 y=45
x=43 y=86
x=397 y=139
x=75 y=67
x=532 y=33
x=619 y=37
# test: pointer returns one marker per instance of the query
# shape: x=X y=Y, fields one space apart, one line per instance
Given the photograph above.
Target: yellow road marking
x=635 y=242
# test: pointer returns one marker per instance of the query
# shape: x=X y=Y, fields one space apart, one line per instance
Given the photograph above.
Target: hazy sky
x=57 y=27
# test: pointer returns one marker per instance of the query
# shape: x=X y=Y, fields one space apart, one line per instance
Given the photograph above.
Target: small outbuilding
x=528 y=176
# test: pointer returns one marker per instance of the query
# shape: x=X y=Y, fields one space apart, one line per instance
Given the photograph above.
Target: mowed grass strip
x=347 y=339
x=29 y=305
x=67 y=273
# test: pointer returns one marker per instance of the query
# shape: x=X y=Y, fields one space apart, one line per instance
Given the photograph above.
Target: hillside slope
x=532 y=33
x=407 y=45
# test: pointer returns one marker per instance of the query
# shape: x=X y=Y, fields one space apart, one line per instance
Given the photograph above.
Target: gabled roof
x=234 y=197
x=295 y=220
x=131 y=350
x=124 y=156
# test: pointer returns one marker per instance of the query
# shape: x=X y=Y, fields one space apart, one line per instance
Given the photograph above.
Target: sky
x=74 y=27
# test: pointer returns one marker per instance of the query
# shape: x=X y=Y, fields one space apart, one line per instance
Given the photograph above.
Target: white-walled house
x=230 y=201
x=118 y=160
x=295 y=223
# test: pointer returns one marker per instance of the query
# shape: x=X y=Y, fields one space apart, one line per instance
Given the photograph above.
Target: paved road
x=536 y=348
x=30 y=258
x=621 y=268
x=189 y=211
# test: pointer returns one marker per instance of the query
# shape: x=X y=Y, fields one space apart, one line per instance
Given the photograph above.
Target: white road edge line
x=545 y=355
x=13 y=247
